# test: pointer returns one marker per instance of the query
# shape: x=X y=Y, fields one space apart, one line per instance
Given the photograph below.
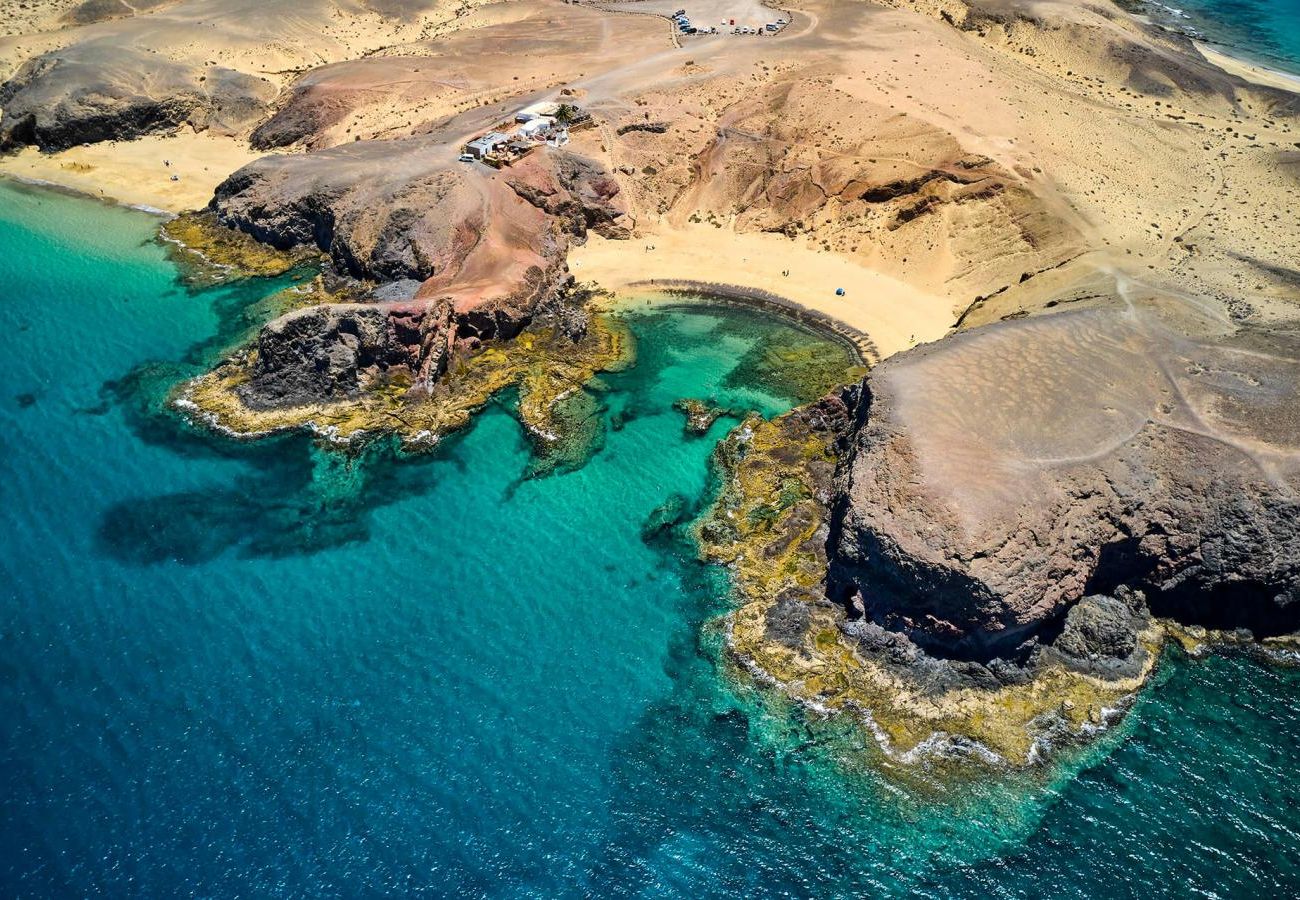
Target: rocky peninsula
x=1067 y=238
x=458 y=290
x=979 y=575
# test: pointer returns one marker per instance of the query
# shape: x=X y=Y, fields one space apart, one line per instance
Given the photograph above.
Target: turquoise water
x=262 y=670
x=1267 y=31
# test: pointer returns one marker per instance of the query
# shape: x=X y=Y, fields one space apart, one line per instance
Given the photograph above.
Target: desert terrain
x=1088 y=161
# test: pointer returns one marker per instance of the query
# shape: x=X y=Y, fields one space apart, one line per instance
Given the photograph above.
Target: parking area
x=711 y=16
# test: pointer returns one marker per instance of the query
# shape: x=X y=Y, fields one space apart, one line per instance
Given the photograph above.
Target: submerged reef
x=700 y=414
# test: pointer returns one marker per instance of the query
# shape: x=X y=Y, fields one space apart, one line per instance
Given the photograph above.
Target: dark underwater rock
x=665 y=517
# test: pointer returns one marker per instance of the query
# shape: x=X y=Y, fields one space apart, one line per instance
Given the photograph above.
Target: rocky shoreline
x=843 y=530
x=770 y=525
x=858 y=528
x=976 y=545
x=548 y=367
x=416 y=324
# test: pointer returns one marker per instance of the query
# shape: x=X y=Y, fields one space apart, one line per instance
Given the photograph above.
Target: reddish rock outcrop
x=487 y=247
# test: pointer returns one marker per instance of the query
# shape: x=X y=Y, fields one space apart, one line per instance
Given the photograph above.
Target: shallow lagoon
x=264 y=669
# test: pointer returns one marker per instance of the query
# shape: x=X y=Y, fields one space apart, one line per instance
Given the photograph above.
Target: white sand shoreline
x=889 y=314
x=1229 y=61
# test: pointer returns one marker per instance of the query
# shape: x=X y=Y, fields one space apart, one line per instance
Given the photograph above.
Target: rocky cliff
x=978 y=548
x=998 y=477
x=428 y=217
x=464 y=257
x=109 y=70
x=333 y=351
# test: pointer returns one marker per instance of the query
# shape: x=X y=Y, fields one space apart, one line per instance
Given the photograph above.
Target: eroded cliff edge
x=1000 y=476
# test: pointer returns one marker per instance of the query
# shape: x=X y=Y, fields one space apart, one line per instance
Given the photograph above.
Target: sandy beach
x=1250 y=71
x=893 y=315
x=135 y=173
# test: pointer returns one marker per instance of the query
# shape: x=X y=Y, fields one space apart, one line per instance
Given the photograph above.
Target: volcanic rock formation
x=487 y=249
x=329 y=351
x=99 y=91
x=1001 y=475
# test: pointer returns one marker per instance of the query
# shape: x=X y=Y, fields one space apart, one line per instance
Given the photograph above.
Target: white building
x=543 y=109
x=537 y=127
x=486 y=145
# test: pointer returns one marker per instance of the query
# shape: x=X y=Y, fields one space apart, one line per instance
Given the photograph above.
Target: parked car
x=466 y=157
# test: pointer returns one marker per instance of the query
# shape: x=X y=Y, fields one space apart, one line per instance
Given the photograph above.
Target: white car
x=466 y=157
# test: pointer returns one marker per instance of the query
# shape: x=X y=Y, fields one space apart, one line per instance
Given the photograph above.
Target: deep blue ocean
x=270 y=670
x=1264 y=31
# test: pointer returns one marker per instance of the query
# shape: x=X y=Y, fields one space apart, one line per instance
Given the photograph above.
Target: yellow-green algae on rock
x=769 y=526
x=1199 y=641
x=546 y=366
x=208 y=252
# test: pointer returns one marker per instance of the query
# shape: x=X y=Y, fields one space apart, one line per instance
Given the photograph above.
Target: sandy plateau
x=1067 y=238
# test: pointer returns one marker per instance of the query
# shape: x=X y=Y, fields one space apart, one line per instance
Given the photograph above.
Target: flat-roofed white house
x=537 y=127
x=487 y=144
